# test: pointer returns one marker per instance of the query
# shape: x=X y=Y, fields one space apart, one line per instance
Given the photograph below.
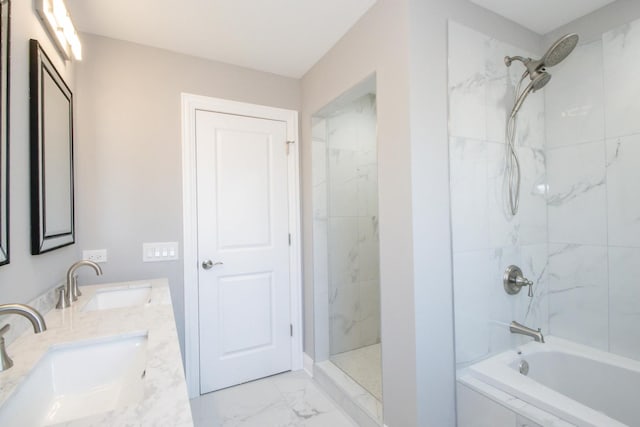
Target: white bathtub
x=579 y=384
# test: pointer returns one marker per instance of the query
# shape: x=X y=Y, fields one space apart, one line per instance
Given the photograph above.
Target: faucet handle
x=64 y=300
x=75 y=291
x=521 y=281
x=514 y=280
x=5 y=360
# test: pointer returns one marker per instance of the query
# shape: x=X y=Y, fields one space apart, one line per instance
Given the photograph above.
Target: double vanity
x=111 y=358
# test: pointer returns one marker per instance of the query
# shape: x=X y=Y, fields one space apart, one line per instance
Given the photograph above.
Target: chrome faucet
x=71 y=291
x=33 y=315
x=517 y=328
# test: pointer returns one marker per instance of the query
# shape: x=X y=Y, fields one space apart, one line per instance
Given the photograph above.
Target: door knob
x=208 y=264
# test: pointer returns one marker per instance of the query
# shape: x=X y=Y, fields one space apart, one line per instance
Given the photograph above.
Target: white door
x=243 y=249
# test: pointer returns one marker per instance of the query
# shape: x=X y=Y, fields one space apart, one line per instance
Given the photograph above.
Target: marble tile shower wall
x=593 y=168
x=486 y=238
x=578 y=230
x=320 y=234
x=346 y=212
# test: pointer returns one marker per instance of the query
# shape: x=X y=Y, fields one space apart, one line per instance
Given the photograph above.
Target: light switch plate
x=160 y=251
x=95 y=255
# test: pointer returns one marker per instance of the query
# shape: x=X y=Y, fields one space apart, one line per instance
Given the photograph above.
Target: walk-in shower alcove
x=346 y=259
x=576 y=234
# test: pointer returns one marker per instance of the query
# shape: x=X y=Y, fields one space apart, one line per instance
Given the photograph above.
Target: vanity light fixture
x=58 y=22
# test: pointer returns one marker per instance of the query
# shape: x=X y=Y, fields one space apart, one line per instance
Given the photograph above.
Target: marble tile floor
x=291 y=399
x=364 y=366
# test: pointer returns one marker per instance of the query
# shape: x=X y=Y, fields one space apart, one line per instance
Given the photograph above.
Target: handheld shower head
x=537 y=73
x=556 y=54
x=538 y=82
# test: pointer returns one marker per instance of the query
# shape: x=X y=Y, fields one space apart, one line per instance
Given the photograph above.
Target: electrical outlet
x=95 y=255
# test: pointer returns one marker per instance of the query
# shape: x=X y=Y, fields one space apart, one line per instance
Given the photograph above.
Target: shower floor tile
x=364 y=366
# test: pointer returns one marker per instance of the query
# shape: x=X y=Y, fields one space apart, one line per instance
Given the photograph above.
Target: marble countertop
x=165 y=400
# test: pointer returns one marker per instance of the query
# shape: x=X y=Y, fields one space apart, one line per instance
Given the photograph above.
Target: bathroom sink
x=79 y=379
x=119 y=297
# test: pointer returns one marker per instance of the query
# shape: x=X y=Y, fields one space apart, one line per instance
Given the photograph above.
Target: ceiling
x=285 y=37
x=542 y=16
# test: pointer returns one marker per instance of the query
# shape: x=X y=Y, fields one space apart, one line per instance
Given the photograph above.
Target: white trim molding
x=190 y=104
x=308 y=364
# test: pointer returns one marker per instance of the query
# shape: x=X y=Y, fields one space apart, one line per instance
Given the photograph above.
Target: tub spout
x=517 y=328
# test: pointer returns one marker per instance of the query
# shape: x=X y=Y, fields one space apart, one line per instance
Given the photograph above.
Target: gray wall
x=129 y=186
x=27 y=276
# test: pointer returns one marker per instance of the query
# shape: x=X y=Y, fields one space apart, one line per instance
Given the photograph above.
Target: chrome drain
x=524 y=367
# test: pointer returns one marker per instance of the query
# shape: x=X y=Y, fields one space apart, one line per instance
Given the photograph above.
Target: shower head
x=560 y=50
x=555 y=55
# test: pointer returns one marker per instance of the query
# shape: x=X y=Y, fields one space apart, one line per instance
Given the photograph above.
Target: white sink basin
x=79 y=379
x=119 y=297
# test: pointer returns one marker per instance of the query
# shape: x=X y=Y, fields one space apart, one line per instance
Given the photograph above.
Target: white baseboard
x=307 y=363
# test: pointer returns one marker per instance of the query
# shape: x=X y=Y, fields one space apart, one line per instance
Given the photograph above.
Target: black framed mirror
x=5 y=13
x=51 y=118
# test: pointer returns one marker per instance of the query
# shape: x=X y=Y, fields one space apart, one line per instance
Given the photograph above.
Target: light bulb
x=59 y=12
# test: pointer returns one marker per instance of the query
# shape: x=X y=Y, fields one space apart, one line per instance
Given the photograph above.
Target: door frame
x=190 y=104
